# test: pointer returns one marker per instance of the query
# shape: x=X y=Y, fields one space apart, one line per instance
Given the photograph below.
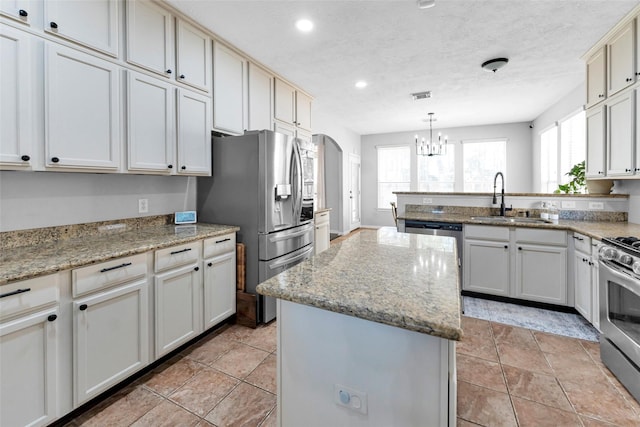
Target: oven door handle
x=627 y=282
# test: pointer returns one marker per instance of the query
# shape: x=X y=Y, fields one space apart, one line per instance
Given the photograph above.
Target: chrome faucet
x=503 y=209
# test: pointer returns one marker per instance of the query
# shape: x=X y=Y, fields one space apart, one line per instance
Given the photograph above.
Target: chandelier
x=431 y=147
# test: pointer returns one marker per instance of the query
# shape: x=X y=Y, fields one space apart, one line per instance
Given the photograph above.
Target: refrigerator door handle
x=280 y=238
x=297 y=182
x=286 y=260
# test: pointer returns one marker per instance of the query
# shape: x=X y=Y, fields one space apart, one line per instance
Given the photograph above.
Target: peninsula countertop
x=409 y=281
x=26 y=262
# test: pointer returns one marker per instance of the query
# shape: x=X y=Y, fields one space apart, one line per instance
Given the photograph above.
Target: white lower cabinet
x=486 y=260
x=322 y=236
x=219 y=279
x=29 y=345
x=582 y=282
x=541 y=273
x=595 y=284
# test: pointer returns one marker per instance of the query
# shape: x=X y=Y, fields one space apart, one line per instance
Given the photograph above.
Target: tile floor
x=507 y=376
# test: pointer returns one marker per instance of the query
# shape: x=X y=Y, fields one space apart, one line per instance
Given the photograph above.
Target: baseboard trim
x=535 y=304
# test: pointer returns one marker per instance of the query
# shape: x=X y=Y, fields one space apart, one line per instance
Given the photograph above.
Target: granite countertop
x=405 y=280
x=38 y=260
x=595 y=229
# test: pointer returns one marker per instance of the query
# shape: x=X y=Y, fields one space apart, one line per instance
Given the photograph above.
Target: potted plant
x=577 y=184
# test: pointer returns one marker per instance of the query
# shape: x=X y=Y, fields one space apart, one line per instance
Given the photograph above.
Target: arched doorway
x=330 y=179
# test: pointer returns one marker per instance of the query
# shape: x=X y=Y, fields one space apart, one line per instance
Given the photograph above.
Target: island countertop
x=409 y=281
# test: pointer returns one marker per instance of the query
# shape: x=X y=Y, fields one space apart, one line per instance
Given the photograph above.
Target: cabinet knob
x=636 y=169
x=169 y=166
x=627 y=170
x=519 y=248
x=629 y=79
x=506 y=246
x=196 y=269
x=23 y=12
x=83 y=307
x=183 y=167
x=25 y=158
x=600 y=173
x=601 y=95
x=182 y=76
x=52 y=317
x=168 y=71
x=53 y=25
x=55 y=159
x=590 y=263
x=210 y=264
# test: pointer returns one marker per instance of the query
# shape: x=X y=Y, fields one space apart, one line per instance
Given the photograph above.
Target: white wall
x=518 y=173
x=45 y=199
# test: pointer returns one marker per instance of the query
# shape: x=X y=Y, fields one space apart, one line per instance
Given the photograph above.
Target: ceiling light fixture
x=361 y=84
x=304 y=25
x=494 y=64
x=431 y=147
x=425 y=4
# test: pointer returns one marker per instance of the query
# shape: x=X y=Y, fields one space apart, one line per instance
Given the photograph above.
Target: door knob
x=53 y=25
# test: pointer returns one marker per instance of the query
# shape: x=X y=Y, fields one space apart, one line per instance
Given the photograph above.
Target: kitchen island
x=367 y=331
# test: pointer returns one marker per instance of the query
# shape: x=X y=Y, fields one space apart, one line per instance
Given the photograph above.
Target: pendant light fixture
x=431 y=147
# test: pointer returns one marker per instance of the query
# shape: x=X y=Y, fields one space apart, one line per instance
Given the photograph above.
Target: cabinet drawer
x=100 y=276
x=322 y=218
x=486 y=232
x=546 y=237
x=177 y=255
x=582 y=243
x=28 y=295
x=219 y=245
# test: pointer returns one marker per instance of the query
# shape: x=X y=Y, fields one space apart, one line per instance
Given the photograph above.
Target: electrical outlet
x=427 y=201
x=596 y=205
x=143 y=205
x=350 y=398
x=568 y=205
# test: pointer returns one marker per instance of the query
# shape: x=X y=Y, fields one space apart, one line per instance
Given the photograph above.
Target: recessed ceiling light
x=304 y=25
x=361 y=84
x=425 y=4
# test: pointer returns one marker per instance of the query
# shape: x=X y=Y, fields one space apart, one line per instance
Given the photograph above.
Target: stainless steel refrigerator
x=260 y=182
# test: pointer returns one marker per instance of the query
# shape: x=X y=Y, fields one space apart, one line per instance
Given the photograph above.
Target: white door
x=194 y=133
x=151 y=138
x=16 y=109
x=541 y=273
x=595 y=166
x=583 y=292
x=219 y=288
x=194 y=56
x=228 y=89
x=486 y=267
x=260 y=93
x=150 y=42
x=285 y=102
x=82 y=100
x=354 y=191
x=596 y=82
x=178 y=295
x=620 y=133
x=91 y=23
x=29 y=367
x=303 y=111
x=113 y=320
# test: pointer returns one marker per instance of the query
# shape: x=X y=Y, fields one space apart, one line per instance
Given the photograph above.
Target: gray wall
x=518 y=173
x=44 y=199
x=333 y=184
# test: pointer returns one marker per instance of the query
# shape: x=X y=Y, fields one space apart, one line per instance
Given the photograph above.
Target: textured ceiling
x=399 y=49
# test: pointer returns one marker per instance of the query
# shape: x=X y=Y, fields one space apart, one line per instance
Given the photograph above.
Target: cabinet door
x=150 y=123
x=219 y=289
x=541 y=274
x=228 y=89
x=486 y=267
x=620 y=59
x=116 y=319
x=620 y=137
x=303 y=111
x=16 y=110
x=583 y=291
x=285 y=102
x=91 y=23
x=595 y=165
x=82 y=127
x=29 y=366
x=194 y=56
x=596 y=82
x=194 y=133
x=19 y=10
x=178 y=296
x=260 y=98
x=322 y=237
x=150 y=37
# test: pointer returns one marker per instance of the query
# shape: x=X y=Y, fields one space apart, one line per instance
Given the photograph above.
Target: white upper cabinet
x=193 y=56
x=151 y=116
x=621 y=59
x=82 y=109
x=596 y=78
x=260 y=98
x=20 y=10
x=292 y=106
x=194 y=133
x=620 y=137
x=229 y=70
x=16 y=111
x=91 y=23
x=303 y=111
x=595 y=167
x=150 y=37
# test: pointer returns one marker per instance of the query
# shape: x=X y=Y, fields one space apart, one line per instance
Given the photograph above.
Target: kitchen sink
x=515 y=220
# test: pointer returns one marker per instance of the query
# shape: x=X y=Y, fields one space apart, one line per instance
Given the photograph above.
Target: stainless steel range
x=619 y=285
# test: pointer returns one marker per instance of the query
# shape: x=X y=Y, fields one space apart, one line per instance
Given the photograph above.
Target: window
x=394 y=173
x=481 y=161
x=561 y=147
x=437 y=173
